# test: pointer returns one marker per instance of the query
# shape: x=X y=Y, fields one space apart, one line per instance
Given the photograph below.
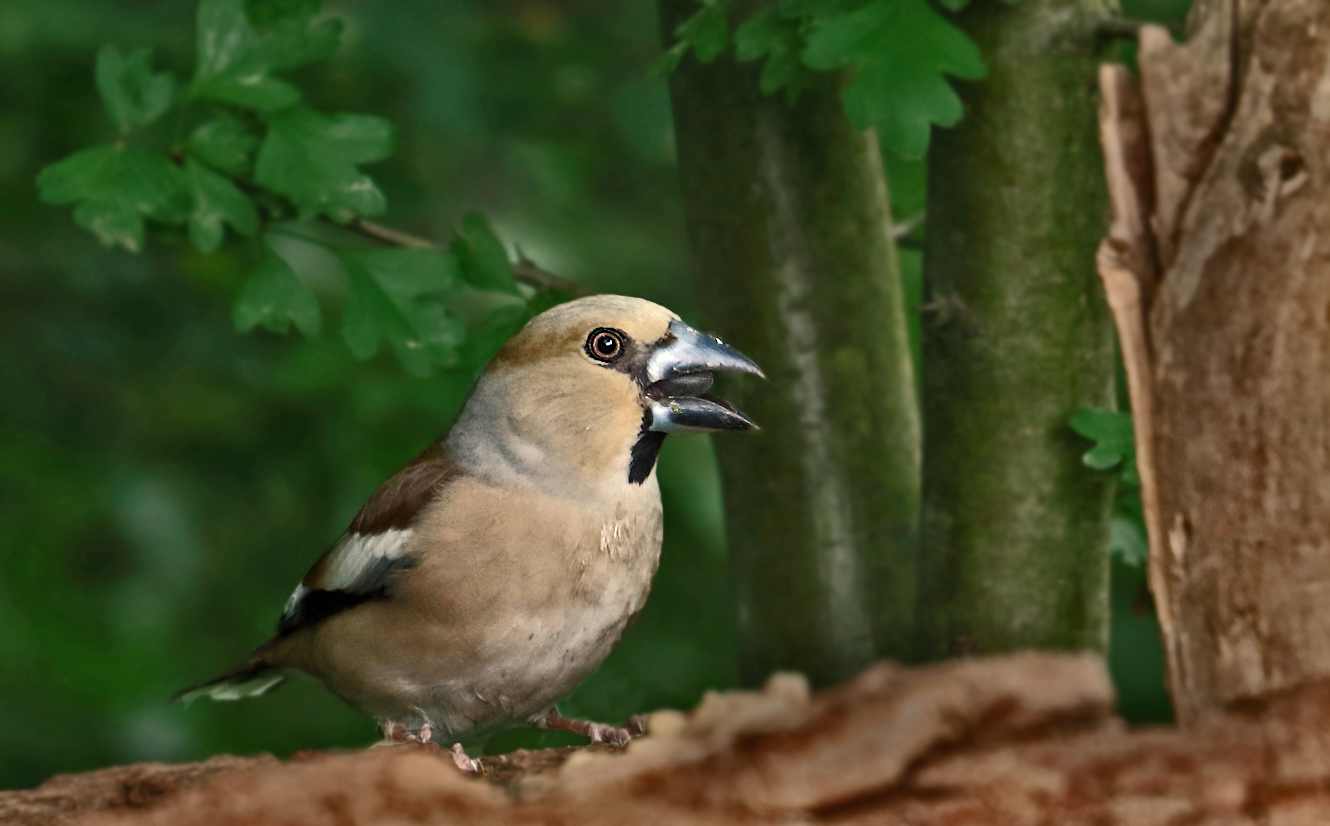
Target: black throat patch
x=644 y=452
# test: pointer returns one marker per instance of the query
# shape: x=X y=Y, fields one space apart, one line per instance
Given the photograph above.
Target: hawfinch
x=487 y=578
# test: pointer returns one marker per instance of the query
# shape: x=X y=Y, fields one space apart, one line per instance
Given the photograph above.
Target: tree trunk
x=789 y=225
x=1016 y=338
x=1219 y=267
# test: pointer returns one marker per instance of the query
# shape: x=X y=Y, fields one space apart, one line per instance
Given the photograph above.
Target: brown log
x=1013 y=741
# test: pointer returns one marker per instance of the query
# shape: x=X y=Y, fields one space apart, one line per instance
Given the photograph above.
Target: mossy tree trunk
x=789 y=225
x=1016 y=337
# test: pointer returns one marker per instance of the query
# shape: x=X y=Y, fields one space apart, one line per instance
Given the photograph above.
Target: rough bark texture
x=1235 y=267
x=1017 y=741
x=788 y=220
x=1016 y=338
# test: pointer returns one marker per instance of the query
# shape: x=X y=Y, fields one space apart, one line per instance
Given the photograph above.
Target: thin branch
x=390 y=237
x=524 y=269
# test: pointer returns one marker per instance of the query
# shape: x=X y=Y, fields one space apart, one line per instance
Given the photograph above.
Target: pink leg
x=398 y=733
x=597 y=732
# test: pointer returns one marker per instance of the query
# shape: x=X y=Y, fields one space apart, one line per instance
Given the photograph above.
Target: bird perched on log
x=487 y=578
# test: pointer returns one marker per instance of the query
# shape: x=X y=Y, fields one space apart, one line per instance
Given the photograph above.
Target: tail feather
x=248 y=680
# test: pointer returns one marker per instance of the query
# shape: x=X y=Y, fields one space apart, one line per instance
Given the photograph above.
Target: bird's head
x=591 y=387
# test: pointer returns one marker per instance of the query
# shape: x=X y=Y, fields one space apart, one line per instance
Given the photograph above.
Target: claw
x=395 y=732
x=637 y=725
x=463 y=762
x=601 y=733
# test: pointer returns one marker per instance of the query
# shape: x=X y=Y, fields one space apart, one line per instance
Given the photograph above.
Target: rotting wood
x=1228 y=347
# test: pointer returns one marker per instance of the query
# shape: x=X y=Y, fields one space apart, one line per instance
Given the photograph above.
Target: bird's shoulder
x=376 y=547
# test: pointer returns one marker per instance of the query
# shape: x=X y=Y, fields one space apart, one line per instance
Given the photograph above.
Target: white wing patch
x=355 y=564
x=359 y=554
x=296 y=596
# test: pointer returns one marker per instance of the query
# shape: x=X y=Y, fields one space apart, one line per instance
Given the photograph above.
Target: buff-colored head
x=586 y=390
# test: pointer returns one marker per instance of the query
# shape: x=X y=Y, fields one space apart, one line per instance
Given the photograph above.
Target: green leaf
x=224 y=144
x=481 y=257
x=417 y=320
x=1102 y=457
x=311 y=158
x=132 y=94
x=781 y=39
x=371 y=315
x=1114 y=438
x=901 y=50
x=273 y=297
x=116 y=188
x=706 y=32
x=216 y=201
x=1127 y=540
x=241 y=43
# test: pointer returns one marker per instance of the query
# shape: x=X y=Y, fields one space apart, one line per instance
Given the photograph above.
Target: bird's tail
x=248 y=680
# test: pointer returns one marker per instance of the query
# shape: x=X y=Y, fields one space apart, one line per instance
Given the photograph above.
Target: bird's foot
x=463 y=762
x=395 y=732
x=597 y=732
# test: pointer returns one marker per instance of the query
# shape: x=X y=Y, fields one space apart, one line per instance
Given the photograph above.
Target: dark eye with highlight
x=605 y=344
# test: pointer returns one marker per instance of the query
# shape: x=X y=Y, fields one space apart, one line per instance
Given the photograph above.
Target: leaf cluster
x=1115 y=446
x=237 y=147
x=899 y=54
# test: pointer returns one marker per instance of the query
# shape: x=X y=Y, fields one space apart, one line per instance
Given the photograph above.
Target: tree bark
x=1016 y=338
x=1234 y=266
x=788 y=219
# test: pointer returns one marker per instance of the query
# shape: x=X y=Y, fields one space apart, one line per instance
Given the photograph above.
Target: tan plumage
x=485 y=580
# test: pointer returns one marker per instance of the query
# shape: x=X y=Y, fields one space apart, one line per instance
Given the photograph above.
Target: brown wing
x=361 y=564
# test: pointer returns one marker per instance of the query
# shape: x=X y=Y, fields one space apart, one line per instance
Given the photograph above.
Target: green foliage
x=225 y=144
x=1115 y=445
x=780 y=38
x=115 y=187
x=217 y=201
x=481 y=256
x=274 y=298
x=132 y=94
x=394 y=289
x=311 y=158
x=240 y=45
x=706 y=33
x=900 y=53
x=253 y=157
x=1115 y=441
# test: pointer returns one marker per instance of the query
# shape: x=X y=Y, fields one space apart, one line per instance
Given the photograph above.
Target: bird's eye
x=605 y=345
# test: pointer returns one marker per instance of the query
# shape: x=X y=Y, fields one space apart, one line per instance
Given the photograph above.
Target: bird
x=480 y=584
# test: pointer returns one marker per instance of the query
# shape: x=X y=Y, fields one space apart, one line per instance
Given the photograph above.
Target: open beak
x=679 y=376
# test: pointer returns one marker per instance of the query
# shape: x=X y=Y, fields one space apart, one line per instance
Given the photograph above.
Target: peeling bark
x=1238 y=351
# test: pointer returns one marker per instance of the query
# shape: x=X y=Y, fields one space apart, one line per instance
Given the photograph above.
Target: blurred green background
x=164 y=481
